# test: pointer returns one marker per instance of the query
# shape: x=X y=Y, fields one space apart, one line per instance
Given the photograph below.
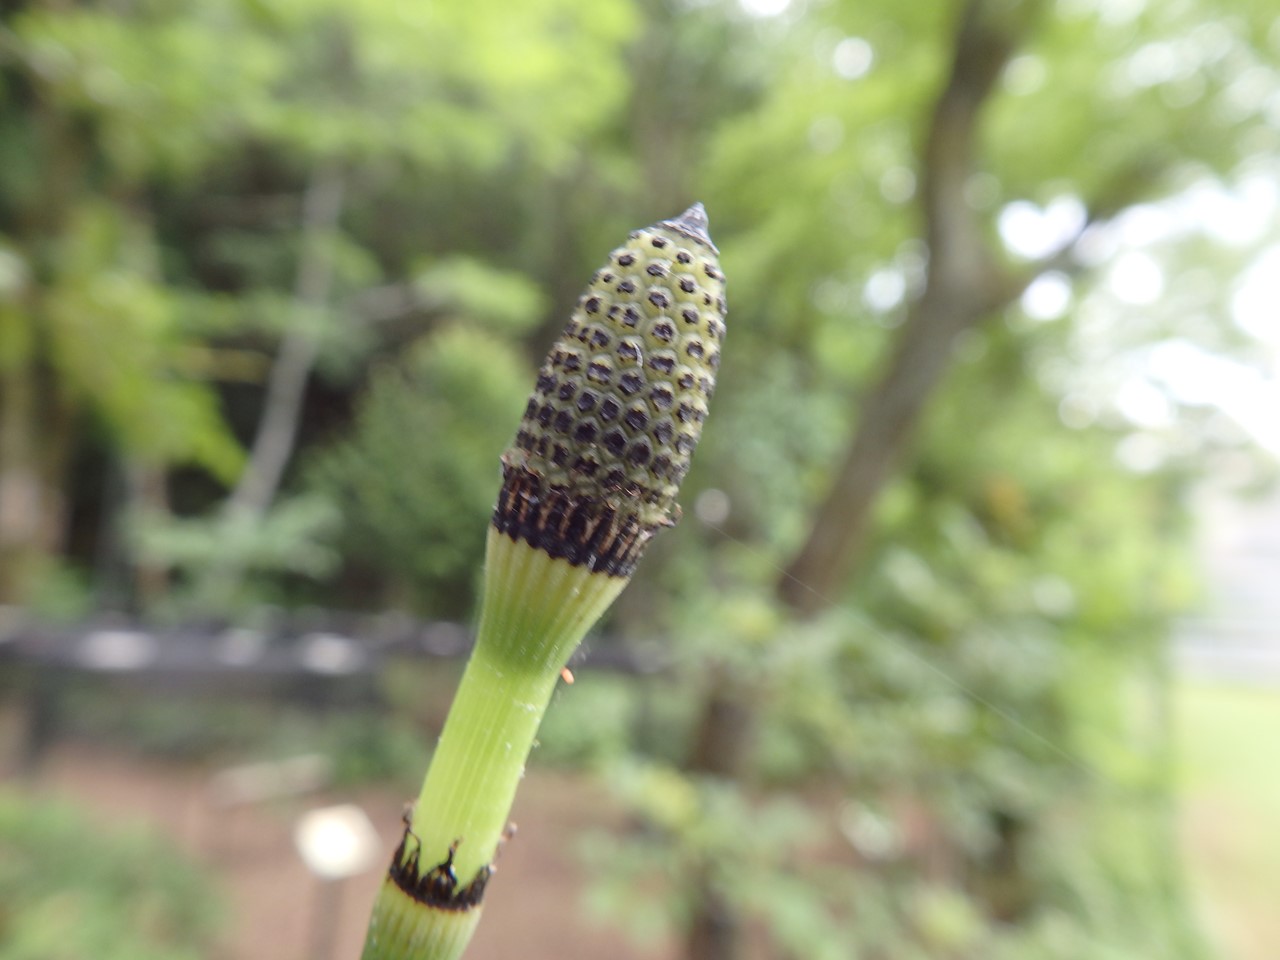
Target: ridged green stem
x=535 y=612
x=401 y=928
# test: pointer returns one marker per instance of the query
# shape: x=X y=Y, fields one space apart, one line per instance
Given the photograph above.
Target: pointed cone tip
x=693 y=224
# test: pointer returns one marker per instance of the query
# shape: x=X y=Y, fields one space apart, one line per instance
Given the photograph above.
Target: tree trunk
x=890 y=414
x=21 y=487
x=715 y=929
x=35 y=422
x=722 y=744
x=147 y=493
x=35 y=443
x=964 y=284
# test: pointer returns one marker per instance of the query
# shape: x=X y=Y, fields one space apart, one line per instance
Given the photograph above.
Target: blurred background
x=967 y=643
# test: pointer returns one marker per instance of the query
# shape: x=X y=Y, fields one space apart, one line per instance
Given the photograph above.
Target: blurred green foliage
x=1224 y=730
x=415 y=479
x=294 y=538
x=71 y=890
x=362 y=743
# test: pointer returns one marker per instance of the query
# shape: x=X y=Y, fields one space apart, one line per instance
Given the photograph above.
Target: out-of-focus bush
x=416 y=477
x=228 y=563
x=364 y=745
x=71 y=891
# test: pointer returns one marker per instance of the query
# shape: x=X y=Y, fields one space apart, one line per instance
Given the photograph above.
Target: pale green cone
x=609 y=431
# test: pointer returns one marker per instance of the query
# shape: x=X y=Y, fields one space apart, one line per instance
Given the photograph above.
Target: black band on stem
x=438 y=887
x=586 y=531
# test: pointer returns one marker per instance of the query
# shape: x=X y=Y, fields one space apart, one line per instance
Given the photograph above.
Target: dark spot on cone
x=664 y=330
x=615 y=442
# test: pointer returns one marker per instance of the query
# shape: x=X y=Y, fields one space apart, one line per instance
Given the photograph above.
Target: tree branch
x=1129 y=185
x=984 y=43
x=964 y=282
x=286 y=387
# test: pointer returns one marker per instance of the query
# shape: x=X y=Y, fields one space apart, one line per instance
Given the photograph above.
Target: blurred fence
x=313 y=659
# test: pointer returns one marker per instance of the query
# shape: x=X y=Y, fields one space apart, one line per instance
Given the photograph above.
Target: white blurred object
x=337 y=842
x=117 y=650
x=712 y=507
x=330 y=654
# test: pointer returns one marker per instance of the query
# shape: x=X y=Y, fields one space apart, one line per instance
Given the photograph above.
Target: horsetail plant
x=592 y=475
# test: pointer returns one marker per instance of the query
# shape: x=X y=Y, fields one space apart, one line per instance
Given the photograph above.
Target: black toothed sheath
x=592 y=475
